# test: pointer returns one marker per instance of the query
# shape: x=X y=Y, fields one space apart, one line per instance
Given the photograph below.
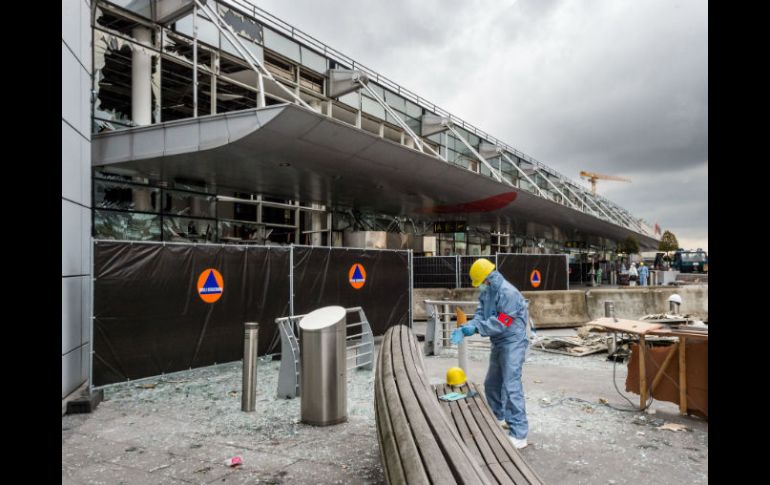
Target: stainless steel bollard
x=609 y=309
x=323 y=363
x=249 y=390
x=673 y=307
x=609 y=312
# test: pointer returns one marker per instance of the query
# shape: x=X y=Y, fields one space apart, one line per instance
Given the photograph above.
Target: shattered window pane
x=182 y=203
x=241 y=25
x=124 y=196
x=234 y=231
x=126 y=226
x=185 y=229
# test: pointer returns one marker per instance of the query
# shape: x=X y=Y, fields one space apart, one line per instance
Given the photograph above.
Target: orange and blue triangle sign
x=210 y=285
x=535 y=278
x=357 y=276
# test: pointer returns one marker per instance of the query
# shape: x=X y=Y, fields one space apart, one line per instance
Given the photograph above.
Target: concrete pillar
x=316 y=224
x=141 y=79
x=143 y=200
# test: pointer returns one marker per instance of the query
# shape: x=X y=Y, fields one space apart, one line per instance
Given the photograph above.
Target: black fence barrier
x=159 y=308
x=435 y=272
x=465 y=267
x=376 y=280
x=534 y=272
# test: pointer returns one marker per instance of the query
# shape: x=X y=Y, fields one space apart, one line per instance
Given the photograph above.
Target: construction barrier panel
x=379 y=281
x=159 y=308
x=534 y=272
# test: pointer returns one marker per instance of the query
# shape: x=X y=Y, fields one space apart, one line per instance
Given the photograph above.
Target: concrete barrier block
x=549 y=309
x=419 y=295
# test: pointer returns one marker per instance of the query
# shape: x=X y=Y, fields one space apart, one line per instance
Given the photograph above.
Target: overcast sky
x=618 y=87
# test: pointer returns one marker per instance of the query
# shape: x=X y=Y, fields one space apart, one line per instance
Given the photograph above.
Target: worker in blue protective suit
x=502 y=316
x=644 y=272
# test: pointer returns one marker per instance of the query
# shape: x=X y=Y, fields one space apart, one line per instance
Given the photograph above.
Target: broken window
x=125 y=196
x=280 y=68
x=133 y=226
x=311 y=81
x=189 y=229
x=183 y=203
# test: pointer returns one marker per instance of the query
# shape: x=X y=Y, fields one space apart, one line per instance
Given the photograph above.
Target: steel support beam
x=226 y=30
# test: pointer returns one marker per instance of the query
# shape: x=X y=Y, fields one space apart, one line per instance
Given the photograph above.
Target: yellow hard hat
x=480 y=269
x=455 y=376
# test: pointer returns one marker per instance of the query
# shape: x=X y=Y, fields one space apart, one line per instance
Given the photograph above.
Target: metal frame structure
x=595 y=206
x=289 y=373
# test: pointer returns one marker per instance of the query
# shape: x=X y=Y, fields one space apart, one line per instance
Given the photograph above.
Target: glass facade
x=297 y=63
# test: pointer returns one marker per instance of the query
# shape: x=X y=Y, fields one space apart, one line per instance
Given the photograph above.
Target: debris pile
x=585 y=343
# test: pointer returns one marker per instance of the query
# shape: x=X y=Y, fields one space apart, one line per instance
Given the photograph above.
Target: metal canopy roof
x=291 y=152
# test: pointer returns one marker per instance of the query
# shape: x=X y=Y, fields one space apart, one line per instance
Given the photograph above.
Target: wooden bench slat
x=489 y=474
x=482 y=442
x=502 y=439
x=389 y=454
x=499 y=473
x=461 y=425
x=406 y=446
x=464 y=467
x=427 y=441
x=445 y=460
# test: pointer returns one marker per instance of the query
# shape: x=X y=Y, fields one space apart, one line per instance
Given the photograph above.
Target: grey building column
x=141 y=79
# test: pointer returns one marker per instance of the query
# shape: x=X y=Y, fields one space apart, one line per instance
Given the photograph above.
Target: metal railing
x=442 y=321
x=359 y=346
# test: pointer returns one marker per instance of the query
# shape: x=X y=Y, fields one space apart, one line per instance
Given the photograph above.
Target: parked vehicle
x=691 y=261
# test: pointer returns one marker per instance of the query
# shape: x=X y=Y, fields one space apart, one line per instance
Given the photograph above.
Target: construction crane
x=593 y=177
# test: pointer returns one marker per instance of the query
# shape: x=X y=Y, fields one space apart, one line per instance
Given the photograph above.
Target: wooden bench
x=424 y=440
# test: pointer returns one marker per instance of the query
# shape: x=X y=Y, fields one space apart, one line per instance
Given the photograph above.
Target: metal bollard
x=609 y=309
x=673 y=307
x=609 y=312
x=323 y=374
x=249 y=390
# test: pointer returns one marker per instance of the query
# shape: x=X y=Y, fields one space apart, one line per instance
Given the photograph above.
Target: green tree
x=629 y=245
x=668 y=242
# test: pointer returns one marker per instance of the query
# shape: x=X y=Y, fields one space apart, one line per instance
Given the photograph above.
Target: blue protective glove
x=457 y=336
x=468 y=330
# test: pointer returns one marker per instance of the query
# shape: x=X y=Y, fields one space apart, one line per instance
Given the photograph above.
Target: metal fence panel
x=465 y=266
x=435 y=271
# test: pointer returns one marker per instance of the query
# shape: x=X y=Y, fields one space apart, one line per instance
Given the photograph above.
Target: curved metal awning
x=294 y=153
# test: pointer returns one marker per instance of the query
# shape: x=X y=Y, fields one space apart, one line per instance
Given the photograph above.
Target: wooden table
x=682 y=335
x=639 y=328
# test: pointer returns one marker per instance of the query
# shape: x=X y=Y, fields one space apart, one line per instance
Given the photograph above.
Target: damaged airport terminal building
x=212 y=129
